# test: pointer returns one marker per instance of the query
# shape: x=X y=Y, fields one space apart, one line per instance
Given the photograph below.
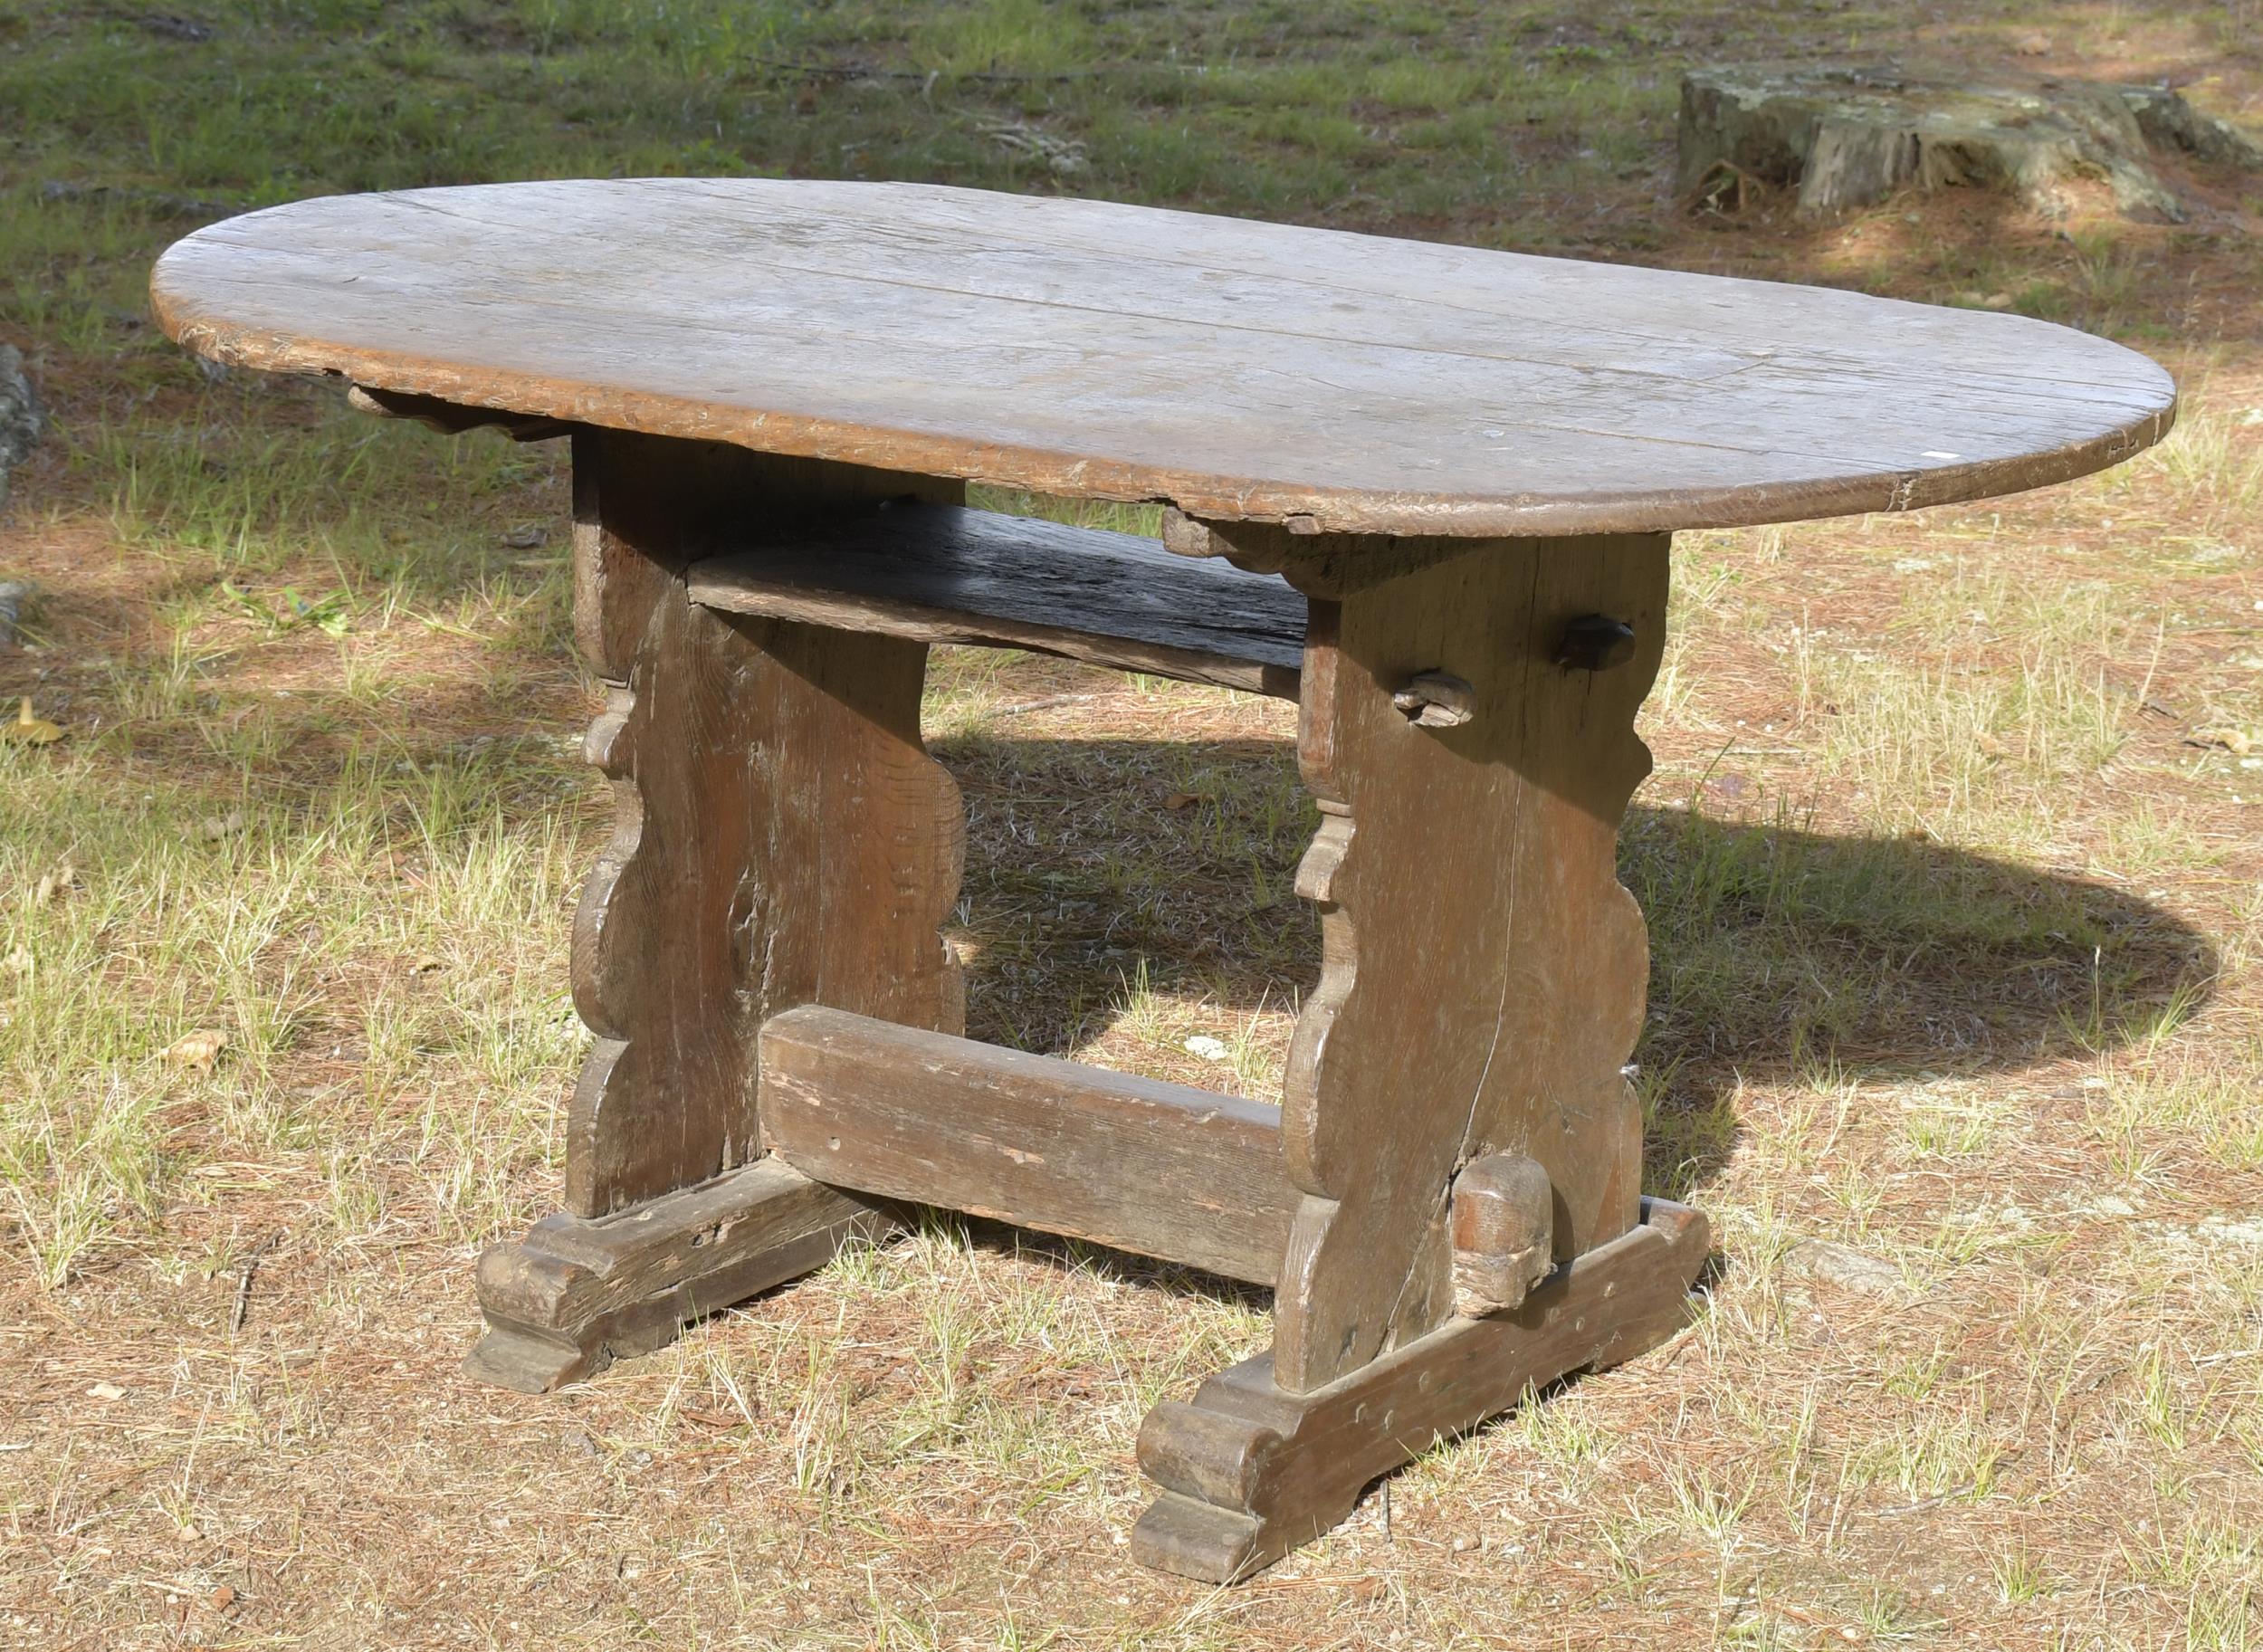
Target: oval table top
x=1239 y=370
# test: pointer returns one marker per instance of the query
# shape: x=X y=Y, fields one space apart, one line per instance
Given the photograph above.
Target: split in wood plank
x=1483 y=971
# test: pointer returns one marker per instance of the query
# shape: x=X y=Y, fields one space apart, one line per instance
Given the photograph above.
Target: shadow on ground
x=1777 y=954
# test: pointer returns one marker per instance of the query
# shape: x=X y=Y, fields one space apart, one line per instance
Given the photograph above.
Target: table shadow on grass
x=1108 y=877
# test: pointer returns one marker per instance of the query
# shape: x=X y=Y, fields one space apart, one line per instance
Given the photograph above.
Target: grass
x=1950 y=863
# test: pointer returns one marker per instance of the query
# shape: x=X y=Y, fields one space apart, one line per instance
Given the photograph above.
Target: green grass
x=1241 y=108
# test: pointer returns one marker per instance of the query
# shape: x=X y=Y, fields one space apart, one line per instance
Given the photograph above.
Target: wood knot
x=1436 y=701
x=1596 y=641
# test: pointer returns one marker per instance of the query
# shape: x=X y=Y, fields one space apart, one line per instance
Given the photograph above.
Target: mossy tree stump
x=1848 y=138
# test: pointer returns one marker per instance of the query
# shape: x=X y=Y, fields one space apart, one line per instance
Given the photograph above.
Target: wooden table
x=1424 y=490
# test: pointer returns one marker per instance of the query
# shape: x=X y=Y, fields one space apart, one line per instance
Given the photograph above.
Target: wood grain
x=1250 y=1470
x=1241 y=371
x=1156 y=1169
x=783 y=837
x=946 y=574
x=1482 y=972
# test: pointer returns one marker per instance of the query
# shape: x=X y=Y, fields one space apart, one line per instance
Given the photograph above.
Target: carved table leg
x=783 y=839
x=1250 y=1471
x=1469 y=729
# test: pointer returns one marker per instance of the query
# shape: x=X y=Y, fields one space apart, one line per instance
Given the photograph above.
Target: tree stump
x=1849 y=136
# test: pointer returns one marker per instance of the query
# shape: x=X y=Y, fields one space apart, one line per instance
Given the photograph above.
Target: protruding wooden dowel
x=1436 y=700
x=1504 y=1233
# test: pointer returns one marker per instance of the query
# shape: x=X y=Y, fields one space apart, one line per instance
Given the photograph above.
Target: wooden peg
x=1504 y=1233
x=1436 y=700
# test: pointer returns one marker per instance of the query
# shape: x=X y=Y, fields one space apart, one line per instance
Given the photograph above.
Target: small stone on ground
x=1847 y=1268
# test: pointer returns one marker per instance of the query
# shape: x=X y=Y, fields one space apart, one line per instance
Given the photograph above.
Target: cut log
x=1848 y=138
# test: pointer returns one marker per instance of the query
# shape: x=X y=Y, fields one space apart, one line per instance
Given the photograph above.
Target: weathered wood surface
x=1241 y=371
x=1156 y=1169
x=784 y=838
x=1847 y=136
x=1483 y=971
x=578 y=1292
x=946 y=574
x=1250 y=1470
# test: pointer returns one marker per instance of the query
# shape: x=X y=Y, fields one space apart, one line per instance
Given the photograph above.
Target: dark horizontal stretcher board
x=949 y=574
x=1241 y=371
x=1156 y=1169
